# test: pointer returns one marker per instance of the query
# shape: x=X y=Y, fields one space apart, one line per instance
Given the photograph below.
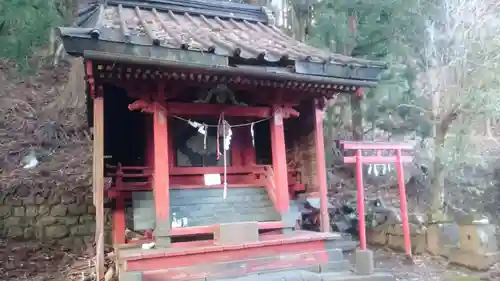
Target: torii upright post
x=395 y=157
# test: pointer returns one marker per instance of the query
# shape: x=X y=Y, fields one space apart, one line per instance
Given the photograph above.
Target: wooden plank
x=203 y=109
x=321 y=168
x=279 y=161
x=194 y=230
x=98 y=182
x=378 y=159
x=349 y=145
x=161 y=172
x=183 y=171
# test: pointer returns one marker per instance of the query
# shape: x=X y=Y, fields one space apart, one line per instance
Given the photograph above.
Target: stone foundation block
x=441 y=238
x=130 y=276
x=376 y=237
x=236 y=233
x=478 y=238
x=364 y=263
x=397 y=243
x=472 y=260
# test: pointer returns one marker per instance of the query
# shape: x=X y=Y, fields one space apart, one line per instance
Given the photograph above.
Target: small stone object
x=148 y=246
x=364 y=262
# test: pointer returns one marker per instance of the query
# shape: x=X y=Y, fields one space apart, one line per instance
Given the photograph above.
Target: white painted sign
x=179 y=222
x=212 y=179
x=379 y=169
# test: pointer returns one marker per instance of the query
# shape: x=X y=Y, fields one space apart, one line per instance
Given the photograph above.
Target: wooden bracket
x=89 y=77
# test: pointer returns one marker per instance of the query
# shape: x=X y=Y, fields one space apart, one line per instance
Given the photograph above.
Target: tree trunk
x=438 y=175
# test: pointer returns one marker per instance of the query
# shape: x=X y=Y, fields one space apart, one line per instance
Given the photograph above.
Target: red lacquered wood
x=279 y=161
x=321 y=168
x=185 y=257
x=194 y=230
x=349 y=145
x=256 y=169
x=378 y=159
x=190 y=109
x=161 y=166
x=119 y=226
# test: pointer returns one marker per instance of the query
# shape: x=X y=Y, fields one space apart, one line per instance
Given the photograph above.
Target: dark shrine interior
x=125 y=133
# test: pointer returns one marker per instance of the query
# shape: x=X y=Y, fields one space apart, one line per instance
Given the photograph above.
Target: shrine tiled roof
x=237 y=32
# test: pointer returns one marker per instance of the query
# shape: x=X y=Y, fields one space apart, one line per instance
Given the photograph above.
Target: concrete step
x=351 y=276
x=302 y=275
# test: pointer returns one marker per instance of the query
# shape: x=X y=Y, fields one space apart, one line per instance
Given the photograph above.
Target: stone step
x=350 y=276
x=302 y=275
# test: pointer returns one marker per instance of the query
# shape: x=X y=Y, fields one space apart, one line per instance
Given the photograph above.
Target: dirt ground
x=36 y=262
x=426 y=268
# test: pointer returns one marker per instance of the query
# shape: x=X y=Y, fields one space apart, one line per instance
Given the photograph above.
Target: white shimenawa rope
x=224 y=124
x=224 y=196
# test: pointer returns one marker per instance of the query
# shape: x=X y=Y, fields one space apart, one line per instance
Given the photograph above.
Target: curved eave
x=84 y=45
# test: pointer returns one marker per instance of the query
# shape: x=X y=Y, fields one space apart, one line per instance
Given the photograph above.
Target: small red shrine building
x=207 y=121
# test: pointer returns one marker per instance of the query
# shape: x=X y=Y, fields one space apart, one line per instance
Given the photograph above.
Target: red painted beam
x=378 y=159
x=195 y=230
x=278 y=151
x=119 y=224
x=181 y=171
x=161 y=171
x=201 y=255
x=189 y=109
x=350 y=145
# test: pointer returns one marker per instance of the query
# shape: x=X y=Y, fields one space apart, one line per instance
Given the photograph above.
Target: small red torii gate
x=359 y=159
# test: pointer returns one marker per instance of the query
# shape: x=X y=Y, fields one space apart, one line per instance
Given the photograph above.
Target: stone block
x=397 y=229
x=130 y=276
x=75 y=209
x=376 y=237
x=46 y=220
x=29 y=233
x=12 y=221
x=68 y=220
x=86 y=219
x=472 y=260
x=5 y=211
x=364 y=262
x=235 y=233
x=43 y=209
x=16 y=201
x=80 y=230
x=18 y=211
x=56 y=231
x=15 y=232
x=479 y=238
x=31 y=211
x=59 y=210
x=39 y=200
x=68 y=198
x=397 y=243
x=54 y=199
x=442 y=237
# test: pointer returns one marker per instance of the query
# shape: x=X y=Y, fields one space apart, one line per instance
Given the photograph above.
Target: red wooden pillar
x=279 y=161
x=321 y=167
x=161 y=175
x=119 y=227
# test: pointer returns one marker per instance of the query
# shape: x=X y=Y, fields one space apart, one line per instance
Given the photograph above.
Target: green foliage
x=388 y=30
x=25 y=25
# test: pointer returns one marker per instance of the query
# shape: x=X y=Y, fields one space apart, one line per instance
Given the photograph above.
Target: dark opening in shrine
x=125 y=139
